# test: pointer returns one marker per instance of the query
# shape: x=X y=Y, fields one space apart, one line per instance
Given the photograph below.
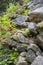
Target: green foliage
x=27 y=31
x=25 y=12
x=4 y=4
x=5 y=25
x=7 y=56
x=10 y=58
x=12 y=8
x=1 y=45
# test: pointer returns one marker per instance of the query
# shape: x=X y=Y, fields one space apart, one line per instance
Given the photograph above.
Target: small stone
x=31 y=26
x=23 y=54
x=20 y=48
x=12 y=43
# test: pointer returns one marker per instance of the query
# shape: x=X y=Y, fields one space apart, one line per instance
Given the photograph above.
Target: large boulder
x=19 y=37
x=20 y=21
x=38 y=61
x=36 y=15
x=34 y=48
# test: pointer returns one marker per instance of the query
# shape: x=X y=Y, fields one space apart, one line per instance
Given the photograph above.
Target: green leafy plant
x=12 y=8
x=8 y=56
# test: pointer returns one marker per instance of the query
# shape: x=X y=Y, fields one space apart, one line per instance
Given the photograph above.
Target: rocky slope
x=24 y=46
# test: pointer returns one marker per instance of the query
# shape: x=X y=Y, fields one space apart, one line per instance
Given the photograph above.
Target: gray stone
x=34 y=4
x=20 y=48
x=20 y=58
x=34 y=48
x=37 y=14
x=37 y=1
x=38 y=61
x=20 y=21
x=23 y=54
x=37 y=11
x=30 y=5
x=38 y=53
x=21 y=61
x=30 y=56
x=19 y=37
x=32 y=26
x=39 y=41
x=12 y=43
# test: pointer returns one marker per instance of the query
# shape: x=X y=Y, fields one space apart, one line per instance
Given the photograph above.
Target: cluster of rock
x=28 y=40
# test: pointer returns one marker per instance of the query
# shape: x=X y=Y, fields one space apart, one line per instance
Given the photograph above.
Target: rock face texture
x=38 y=61
x=20 y=21
x=30 y=56
x=34 y=4
x=37 y=10
x=19 y=37
x=40 y=41
x=21 y=61
x=34 y=48
x=37 y=14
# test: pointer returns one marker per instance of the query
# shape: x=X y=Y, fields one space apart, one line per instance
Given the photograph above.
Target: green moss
x=27 y=33
x=25 y=12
